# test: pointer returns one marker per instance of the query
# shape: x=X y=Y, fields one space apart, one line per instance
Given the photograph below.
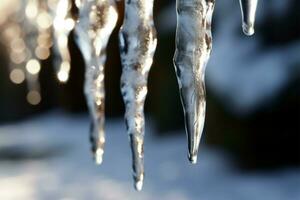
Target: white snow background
x=53 y=161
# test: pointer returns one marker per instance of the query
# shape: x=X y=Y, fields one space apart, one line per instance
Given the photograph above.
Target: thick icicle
x=97 y=19
x=137 y=46
x=248 y=9
x=193 y=47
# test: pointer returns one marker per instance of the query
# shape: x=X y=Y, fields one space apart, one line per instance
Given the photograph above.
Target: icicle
x=97 y=20
x=193 y=47
x=137 y=46
x=248 y=9
x=63 y=24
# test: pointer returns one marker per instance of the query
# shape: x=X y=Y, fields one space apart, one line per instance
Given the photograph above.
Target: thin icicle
x=63 y=24
x=137 y=46
x=193 y=47
x=248 y=9
x=97 y=20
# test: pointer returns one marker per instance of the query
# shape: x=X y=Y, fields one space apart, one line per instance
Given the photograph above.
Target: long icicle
x=137 y=46
x=193 y=47
x=97 y=19
x=248 y=9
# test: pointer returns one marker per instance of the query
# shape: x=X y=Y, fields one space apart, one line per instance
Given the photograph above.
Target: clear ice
x=97 y=19
x=248 y=9
x=193 y=47
x=137 y=46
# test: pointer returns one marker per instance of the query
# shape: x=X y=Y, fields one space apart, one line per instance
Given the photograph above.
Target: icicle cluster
x=26 y=29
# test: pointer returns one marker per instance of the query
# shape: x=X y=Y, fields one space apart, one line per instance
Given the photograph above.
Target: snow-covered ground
x=48 y=157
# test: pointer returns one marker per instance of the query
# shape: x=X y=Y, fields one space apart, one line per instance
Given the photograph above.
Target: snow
x=48 y=157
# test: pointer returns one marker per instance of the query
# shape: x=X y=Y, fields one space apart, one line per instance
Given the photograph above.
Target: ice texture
x=97 y=19
x=193 y=48
x=137 y=46
x=248 y=9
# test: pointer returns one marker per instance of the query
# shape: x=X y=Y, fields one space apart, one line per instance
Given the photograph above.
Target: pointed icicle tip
x=248 y=9
x=190 y=65
x=193 y=159
x=138 y=27
x=98 y=156
x=248 y=29
x=94 y=55
x=138 y=185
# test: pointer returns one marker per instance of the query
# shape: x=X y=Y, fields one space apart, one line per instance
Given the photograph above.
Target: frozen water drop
x=248 y=29
x=138 y=185
x=99 y=156
x=248 y=9
x=193 y=159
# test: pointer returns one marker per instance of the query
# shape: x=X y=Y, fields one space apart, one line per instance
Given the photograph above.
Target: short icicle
x=248 y=9
x=193 y=47
x=137 y=46
x=97 y=19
